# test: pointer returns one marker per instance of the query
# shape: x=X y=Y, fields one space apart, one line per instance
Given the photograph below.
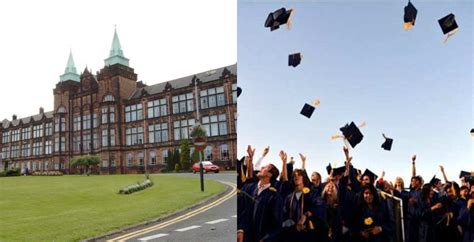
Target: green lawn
x=71 y=208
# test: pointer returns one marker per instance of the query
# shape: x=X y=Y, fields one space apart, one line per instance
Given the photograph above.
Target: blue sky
x=363 y=66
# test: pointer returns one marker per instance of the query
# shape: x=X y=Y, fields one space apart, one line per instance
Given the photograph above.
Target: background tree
x=169 y=160
x=85 y=161
x=185 y=155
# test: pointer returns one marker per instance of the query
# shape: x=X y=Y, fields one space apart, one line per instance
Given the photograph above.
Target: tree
x=176 y=157
x=198 y=131
x=85 y=161
x=185 y=155
x=169 y=161
x=195 y=156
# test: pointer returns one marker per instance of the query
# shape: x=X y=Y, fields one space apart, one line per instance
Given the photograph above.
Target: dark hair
x=425 y=192
x=301 y=172
x=275 y=173
x=373 y=191
x=418 y=178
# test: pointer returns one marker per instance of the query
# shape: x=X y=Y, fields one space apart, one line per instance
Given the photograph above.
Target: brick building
x=128 y=124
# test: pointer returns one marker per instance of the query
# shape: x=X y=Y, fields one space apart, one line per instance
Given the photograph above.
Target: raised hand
x=413 y=158
x=303 y=161
x=441 y=168
x=265 y=151
x=283 y=156
x=346 y=151
x=250 y=151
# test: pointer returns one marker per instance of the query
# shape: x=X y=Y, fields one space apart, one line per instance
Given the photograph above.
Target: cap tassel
x=337 y=136
x=362 y=124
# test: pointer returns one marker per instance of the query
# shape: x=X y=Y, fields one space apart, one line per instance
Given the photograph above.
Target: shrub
x=136 y=187
x=47 y=173
x=13 y=172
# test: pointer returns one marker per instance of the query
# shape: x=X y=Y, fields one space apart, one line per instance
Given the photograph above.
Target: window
x=215 y=125
x=108 y=115
x=152 y=158
x=208 y=153
x=105 y=137
x=234 y=93
x=224 y=152
x=142 y=159
x=25 y=150
x=129 y=159
x=48 y=147
x=134 y=136
x=37 y=148
x=158 y=133
x=58 y=144
x=86 y=141
x=76 y=142
x=15 y=135
x=157 y=108
x=61 y=166
x=105 y=163
x=86 y=121
x=25 y=133
x=212 y=97
x=6 y=152
x=62 y=124
x=112 y=163
x=164 y=156
x=95 y=120
x=35 y=166
x=38 y=131
x=15 y=151
x=182 y=128
x=109 y=98
x=95 y=141
x=48 y=129
x=133 y=113
x=77 y=123
x=183 y=103
x=56 y=166
x=6 y=138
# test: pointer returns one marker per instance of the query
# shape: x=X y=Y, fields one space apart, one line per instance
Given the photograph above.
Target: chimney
x=14 y=117
x=41 y=110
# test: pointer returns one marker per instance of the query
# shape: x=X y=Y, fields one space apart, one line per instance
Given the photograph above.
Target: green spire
x=116 y=53
x=70 y=73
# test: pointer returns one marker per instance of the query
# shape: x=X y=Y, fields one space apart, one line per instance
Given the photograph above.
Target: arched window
x=224 y=152
x=109 y=98
x=208 y=153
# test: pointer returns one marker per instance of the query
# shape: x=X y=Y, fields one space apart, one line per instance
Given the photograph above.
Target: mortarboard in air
x=410 y=16
x=294 y=59
x=239 y=91
x=307 y=110
x=352 y=133
x=434 y=180
x=448 y=25
x=387 y=145
x=370 y=174
x=277 y=18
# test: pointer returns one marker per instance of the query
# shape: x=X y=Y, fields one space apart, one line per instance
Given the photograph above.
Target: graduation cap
x=448 y=25
x=352 y=133
x=294 y=59
x=410 y=16
x=308 y=109
x=387 y=145
x=277 y=18
x=370 y=174
x=434 y=180
x=464 y=174
x=239 y=91
x=339 y=171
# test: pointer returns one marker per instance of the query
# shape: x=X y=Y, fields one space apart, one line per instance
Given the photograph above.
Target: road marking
x=188 y=228
x=180 y=218
x=234 y=216
x=152 y=237
x=217 y=221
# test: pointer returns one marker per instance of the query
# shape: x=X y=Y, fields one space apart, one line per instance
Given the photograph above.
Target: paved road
x=215 y=224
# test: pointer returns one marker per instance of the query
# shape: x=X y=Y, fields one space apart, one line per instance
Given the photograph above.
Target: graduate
x=429 y=212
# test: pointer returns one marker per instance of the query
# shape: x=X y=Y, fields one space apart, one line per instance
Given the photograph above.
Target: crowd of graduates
x=279 y=202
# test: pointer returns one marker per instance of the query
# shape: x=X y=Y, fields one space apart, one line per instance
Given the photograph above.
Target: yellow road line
x=180 y=218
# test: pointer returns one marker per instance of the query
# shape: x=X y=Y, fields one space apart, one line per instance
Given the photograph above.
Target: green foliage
x=136 y=187
x=47 y=173
x=185 y=155
x=12 y=172
x=86 y=161
x=170 y=161
x=195 y=156
x=198 y=131
x=177 y=167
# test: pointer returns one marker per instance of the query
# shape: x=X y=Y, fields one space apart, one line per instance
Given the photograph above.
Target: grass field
x=71 y=208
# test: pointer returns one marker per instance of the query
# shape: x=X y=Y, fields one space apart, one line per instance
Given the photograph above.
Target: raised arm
x=444 y=174
x=303 y=161
x=250 y=153
x=284 y=172
x=413 y=166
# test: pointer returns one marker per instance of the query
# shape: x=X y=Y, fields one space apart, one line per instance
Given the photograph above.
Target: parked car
x=207 y=165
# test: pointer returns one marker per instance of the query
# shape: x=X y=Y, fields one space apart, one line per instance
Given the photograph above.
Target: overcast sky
x=363 y=66
x=164 y=40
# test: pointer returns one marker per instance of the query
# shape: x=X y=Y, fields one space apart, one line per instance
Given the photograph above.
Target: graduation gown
x=292 y=210
x=261 y=215
x=378 y=216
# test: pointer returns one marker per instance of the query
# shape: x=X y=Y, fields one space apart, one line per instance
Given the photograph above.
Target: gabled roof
x=6 y=124
x=186 y=81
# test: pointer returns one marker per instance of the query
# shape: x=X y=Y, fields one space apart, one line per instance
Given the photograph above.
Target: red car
x=207 y=165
